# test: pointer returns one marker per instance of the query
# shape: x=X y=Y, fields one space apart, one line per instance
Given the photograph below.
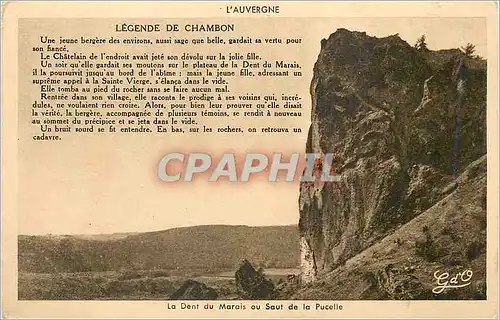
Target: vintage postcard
x=249 y=159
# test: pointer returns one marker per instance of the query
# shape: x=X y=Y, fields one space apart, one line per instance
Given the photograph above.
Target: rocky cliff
x=387 y=112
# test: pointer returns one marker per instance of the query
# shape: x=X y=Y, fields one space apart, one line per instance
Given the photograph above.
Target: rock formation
x=387 y=113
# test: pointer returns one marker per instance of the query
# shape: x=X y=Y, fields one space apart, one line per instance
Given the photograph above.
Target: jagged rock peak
x=387 y=112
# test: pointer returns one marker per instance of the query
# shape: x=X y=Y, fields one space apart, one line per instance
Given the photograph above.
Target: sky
x=108 y=184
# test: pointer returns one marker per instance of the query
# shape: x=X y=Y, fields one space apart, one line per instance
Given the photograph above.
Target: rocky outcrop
x=387 y=113
x=194 y=290
x=448 y=237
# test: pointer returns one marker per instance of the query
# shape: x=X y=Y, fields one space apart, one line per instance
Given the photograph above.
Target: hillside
x=196 y=249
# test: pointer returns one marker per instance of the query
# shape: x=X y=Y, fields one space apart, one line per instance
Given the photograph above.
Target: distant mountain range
x=189 y=249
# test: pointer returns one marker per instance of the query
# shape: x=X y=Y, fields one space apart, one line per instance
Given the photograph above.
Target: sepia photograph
x=407 y=128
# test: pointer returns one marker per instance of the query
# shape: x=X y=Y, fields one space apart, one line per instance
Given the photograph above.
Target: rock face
x=194 y=290
x=388 y=114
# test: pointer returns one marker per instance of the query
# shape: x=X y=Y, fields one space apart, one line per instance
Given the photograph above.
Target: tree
x=468 y=50
x=421 y=45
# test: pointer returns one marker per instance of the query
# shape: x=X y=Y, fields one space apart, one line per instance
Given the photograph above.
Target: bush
x=144 y=287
